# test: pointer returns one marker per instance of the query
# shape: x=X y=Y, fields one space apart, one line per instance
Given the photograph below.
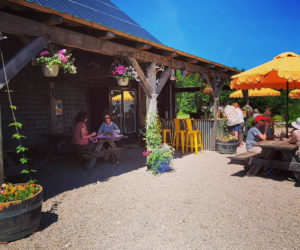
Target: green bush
x=278 y=118
x=250 y=122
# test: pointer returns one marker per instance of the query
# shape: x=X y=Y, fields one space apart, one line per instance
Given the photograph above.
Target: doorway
x=123 y=109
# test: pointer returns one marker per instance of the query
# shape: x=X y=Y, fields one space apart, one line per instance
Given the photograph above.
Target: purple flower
x=43 y=53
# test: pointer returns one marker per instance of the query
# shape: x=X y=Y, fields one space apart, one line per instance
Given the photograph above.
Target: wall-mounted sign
x=58 y=107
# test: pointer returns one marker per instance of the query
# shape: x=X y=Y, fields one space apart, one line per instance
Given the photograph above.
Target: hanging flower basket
x=56 y=59
x=123 y=81
x=50 y=72
x=207 y=90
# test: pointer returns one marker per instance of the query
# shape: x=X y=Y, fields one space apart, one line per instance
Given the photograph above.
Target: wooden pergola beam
x=192 y=60
x=169 y=54
x=22 y=26
x=23 y=57
x=145 y=84
x=165 y=75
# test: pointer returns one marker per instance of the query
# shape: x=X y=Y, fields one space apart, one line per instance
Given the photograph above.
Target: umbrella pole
x=287 y=109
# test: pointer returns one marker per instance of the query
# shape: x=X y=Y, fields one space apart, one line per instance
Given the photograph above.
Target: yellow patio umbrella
x=127 y=97
x=256 y=93
x=283 y=72
x=295 y=94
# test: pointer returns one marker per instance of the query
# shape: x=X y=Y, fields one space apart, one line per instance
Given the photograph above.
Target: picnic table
x=101 y=151
x=276 y=154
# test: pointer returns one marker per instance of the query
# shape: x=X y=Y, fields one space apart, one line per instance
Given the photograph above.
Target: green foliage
x=182 y=115
x=278 y=118
x=250 y=122
x=160 y=154
x=190 y=102
x=17 y=136
x=16 y=124
x=156 y=151
x=153 y=135
x=21 y=149
x=13 y=192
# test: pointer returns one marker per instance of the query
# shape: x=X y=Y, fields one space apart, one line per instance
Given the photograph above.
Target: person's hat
x=262 y=118
x=296 y=124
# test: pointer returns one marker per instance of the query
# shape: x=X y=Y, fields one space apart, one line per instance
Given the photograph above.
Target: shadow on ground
x=268 y=173
x=65 y=172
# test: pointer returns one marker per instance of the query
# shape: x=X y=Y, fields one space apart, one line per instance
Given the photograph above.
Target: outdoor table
x=100 y=151
x=276 y=154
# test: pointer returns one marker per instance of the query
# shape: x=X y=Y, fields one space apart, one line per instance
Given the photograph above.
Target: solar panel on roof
x=102 y=12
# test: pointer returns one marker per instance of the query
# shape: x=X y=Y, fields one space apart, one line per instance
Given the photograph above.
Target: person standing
x=241 y=122
x=255 y=135
x=232 y=120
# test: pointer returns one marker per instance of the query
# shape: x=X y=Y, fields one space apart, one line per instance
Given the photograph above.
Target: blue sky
x=240 y=33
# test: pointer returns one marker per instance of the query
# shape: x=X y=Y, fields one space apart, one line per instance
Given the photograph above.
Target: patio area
x=203 y=203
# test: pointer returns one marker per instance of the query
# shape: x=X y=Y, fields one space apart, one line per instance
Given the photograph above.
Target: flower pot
x=123 y=82
x=19 y=219
x=50 y=72
x=226 y=147
x=163 y=166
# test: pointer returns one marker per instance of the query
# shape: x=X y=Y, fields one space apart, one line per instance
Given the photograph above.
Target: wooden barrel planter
x=226 y=147
x=19 y=219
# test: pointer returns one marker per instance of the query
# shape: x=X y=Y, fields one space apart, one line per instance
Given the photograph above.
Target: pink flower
x=62 y=57
x=32 y=63
x=147 y=153
x=62 y=51
x=43 y=53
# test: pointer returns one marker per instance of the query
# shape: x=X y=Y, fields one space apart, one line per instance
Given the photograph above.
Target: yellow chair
x=165 y=131
x=178 y=134
x=192 y=136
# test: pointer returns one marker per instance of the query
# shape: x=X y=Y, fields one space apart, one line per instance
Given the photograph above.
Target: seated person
x=80 y=134
x=108 y=127
x=295 y=136
x=255 y=135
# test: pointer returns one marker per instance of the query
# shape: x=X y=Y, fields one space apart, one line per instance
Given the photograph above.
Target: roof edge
x=117 y=32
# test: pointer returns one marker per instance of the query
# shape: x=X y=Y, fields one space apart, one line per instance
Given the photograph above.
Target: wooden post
x=216 y=92
x=1 y=153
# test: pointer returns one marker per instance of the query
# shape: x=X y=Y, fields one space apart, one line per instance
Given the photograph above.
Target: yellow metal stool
x=165 y=131
x=179 y=134
x=192 y=136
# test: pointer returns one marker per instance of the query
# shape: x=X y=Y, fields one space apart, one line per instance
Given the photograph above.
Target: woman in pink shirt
x=80 y=135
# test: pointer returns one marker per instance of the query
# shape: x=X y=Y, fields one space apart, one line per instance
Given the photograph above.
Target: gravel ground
x=204 y=203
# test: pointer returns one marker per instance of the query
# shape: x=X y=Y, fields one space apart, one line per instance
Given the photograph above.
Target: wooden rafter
x=22 y=26
x=54 y=20
x=106 y=35
x=143 y=46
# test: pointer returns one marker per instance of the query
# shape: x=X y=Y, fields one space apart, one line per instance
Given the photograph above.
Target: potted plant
x=20 y=210
x=20 y=204
x=52 y=59
x=160 y=158
x=124 y=74
x=159 y=155
x=227 y=144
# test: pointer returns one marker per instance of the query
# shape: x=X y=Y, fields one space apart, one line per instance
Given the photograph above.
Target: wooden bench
x=245 y=158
